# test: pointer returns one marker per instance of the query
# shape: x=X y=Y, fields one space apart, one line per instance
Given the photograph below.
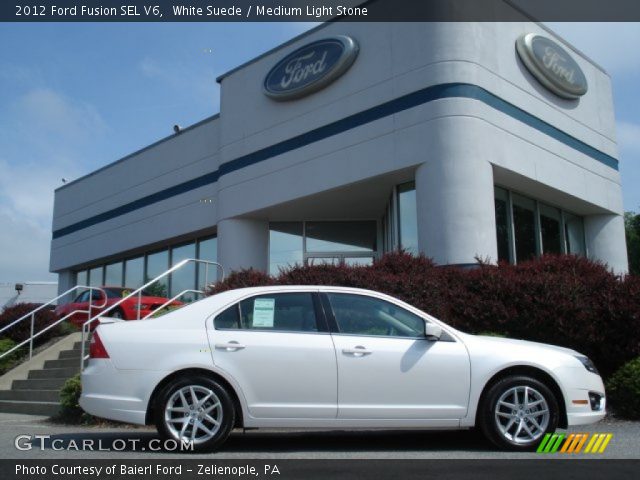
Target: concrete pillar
x=66 y=280
x=456 y=213
x=606 y=241
x=243 y=243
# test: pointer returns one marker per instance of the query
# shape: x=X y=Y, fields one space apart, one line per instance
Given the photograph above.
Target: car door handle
x=229 y=347
x=358 y=351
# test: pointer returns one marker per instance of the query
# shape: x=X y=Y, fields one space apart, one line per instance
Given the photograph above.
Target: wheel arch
x=151 y=405
x=536 y=373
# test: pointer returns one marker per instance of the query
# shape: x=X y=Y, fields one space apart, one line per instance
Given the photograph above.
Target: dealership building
x=462 y=141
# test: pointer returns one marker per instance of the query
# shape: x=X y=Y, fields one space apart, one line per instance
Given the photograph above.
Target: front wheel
x=517 y=412
x=195 y=409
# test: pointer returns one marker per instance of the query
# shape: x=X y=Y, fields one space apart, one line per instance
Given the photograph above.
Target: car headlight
x=588 y=364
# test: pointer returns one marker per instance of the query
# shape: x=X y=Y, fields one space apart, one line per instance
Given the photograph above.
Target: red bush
x=562 y=300
x=22 y=330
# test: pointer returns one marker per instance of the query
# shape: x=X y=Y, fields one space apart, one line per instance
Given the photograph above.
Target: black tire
x=116 y=313
x=508 y=438
x=224 y=413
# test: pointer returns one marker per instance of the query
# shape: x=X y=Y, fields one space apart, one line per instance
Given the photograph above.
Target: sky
x=75 y=97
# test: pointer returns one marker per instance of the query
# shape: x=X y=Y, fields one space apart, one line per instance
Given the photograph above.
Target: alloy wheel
x=522 y=414
x=193 y=413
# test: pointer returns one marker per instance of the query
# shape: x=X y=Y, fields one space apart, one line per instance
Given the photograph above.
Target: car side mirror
x=433 y=331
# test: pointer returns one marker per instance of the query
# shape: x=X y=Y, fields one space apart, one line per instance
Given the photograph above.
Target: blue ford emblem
x=552 y=66
x=310 y=68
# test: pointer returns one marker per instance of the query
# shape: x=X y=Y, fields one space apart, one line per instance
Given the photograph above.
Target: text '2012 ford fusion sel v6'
x=330 y=357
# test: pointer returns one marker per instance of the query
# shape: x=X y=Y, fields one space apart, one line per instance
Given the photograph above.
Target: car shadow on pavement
x=269 y=441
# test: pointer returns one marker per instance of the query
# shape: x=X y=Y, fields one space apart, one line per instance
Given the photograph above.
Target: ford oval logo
x=310 y=68
x=552 y=66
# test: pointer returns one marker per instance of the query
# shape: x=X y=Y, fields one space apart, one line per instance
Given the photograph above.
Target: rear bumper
x=121 y=395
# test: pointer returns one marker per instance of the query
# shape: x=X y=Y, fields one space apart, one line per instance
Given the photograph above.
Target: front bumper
x=578 y=382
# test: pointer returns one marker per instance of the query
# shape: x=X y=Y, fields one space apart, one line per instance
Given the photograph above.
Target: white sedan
x=330 y=357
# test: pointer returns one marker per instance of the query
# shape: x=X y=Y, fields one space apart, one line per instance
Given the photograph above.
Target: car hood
x=496 y=341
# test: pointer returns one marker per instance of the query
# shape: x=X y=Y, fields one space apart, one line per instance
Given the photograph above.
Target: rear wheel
x=517 y=411
x=195 y=409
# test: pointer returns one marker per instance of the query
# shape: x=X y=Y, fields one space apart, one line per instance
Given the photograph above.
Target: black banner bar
x=213 y=468
x=318 y=10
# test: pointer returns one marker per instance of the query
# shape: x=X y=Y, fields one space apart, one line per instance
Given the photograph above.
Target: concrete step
x=54 y=373
x=31 y=395
x=69 y=354
x=64 y=363
x=29 y=408
x=77 y=345
x=39 y=384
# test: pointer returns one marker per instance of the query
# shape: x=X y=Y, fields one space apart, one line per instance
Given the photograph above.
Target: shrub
x=241 y=279
x=623 y=390
x=70 y=396
x=66 y=328
x=564 y=300
x=22 y=330
x=7 y=362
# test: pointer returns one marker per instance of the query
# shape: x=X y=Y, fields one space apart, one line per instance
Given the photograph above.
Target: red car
x=127 y=310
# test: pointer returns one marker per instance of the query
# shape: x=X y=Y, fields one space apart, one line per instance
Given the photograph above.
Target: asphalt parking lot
x=140 y=443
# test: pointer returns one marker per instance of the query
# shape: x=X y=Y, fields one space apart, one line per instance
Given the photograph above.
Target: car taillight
x=96 y=347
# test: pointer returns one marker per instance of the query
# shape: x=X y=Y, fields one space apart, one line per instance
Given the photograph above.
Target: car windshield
x=120 y=292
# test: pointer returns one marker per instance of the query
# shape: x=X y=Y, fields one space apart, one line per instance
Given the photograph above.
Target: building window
x=184 y=278
x=550 y=231
x=286 y=245
x=324 y=237
x=95 y=277
x=503 y=224
x=158 y=263
x=315 y=243
x=207 y=274
x=82 y=278
x=113 y=274
x=400 y=221
x=408 y=217
x=574 y=234
x=526 y=228
x=134 y=272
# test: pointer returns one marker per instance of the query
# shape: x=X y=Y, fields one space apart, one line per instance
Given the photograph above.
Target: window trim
x=335 y=329
x=538 y=230
x=321 y=321
x=338 y=254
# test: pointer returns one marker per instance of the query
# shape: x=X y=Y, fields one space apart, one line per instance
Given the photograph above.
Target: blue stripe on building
x=420 y=97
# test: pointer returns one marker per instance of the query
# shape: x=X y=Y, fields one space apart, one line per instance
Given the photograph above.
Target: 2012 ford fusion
x=330 y=357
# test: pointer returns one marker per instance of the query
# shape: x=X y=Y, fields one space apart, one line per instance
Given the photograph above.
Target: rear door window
x=280 y=312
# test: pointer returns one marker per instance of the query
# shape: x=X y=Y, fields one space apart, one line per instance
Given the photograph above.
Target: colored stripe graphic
x=577 y=447
x=550 y=443
x=598 y=443
x=573 y=443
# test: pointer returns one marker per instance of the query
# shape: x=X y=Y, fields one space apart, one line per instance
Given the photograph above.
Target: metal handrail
x=171 y=300
x=32 y=314
x=138 y=292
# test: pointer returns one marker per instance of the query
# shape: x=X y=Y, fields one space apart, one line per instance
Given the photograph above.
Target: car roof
x=237 y=293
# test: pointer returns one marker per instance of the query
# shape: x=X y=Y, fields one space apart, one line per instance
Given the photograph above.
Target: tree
x=632 y=229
